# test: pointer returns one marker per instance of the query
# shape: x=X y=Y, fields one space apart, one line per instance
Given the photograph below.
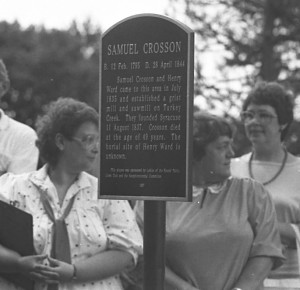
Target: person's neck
x=271 y=153
x=203 y=178
x=62 y=179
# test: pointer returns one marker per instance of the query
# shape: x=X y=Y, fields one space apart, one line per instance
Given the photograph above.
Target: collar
x=4 y=120
x=42 y=180
x=213 y=189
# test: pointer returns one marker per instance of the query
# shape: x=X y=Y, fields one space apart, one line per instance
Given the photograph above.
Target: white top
x=18 y=152
x=94 y=225
x=285 y=193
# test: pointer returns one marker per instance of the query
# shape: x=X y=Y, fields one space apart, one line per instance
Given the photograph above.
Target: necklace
x=276 y=175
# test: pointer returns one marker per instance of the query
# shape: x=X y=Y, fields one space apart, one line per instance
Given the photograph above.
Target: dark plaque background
x=146 y=104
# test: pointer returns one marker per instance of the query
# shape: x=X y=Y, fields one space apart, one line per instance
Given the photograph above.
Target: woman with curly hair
x=81 y=242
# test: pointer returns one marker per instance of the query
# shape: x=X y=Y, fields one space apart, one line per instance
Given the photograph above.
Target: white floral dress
x=94 y=225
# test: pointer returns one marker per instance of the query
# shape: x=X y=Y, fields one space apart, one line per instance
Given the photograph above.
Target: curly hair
x=206 y=129
x=63 y=116
x=276 y=96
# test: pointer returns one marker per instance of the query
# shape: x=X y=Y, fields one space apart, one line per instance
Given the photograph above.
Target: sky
x=60 y=13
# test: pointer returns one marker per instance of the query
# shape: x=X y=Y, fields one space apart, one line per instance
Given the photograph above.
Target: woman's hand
x=56 y=272
x=28 y=265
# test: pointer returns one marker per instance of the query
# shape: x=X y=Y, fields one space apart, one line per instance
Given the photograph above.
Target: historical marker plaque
x=146 y=104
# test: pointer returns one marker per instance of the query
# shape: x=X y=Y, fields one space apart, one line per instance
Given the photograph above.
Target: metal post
x=154 y=244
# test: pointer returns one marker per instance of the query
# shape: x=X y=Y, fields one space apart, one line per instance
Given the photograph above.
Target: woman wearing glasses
x=81 y=242
x=267 y=115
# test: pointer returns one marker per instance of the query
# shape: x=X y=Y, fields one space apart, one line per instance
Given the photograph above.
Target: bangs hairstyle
x=276 y=96
x=206 y=129
x=63 y=116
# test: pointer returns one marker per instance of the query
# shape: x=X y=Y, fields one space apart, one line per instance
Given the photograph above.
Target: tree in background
x=250 y=41
x=46 y=64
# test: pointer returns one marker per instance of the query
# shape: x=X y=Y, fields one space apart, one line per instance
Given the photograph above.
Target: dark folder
x=16 y=233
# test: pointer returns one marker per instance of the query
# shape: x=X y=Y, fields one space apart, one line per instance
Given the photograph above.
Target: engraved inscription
x=144 y=102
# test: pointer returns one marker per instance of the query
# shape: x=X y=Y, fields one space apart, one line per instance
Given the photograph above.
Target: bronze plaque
x=146 y=107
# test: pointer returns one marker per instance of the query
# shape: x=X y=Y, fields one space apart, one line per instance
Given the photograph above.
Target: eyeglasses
x=262 y=117
x=88 y=141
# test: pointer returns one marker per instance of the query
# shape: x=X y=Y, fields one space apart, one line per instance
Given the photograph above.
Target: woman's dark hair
x=276 y=96
x=206 y=129
x=63 y=116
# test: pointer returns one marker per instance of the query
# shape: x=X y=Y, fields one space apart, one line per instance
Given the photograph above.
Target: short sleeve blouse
x=94 y=225
x=210 y=240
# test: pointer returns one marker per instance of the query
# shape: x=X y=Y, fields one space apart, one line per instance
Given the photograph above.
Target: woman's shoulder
x=90 y=177
x=242 y=158
x=8 y=179
x=90 y=183
x=239 y=163
x=250 y=192
x=241 y=181
x=247 y=184
x=16 y=188
x=293 y=159
x=89 y=180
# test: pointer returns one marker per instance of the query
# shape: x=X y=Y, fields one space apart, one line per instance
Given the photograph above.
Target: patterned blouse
x=94 y=225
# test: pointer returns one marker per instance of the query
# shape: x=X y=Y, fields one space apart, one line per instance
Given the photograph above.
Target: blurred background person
x=267 y=114
x=81 y=242
x=227 y=237
x=18 y=152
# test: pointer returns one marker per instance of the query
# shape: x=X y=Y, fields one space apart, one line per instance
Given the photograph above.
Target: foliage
x=237 y=44
x=253 y=39
x=46 y=64
x=249 y=41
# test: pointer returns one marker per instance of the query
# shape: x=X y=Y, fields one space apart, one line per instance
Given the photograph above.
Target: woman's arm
x=8 y=260
x=254 y=273
x=104 y=265
x=12 y=262
x=97 y=267
x=173 y=281
x=266 y=251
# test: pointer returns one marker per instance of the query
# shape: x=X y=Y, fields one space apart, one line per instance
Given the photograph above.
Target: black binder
x=16 y=233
